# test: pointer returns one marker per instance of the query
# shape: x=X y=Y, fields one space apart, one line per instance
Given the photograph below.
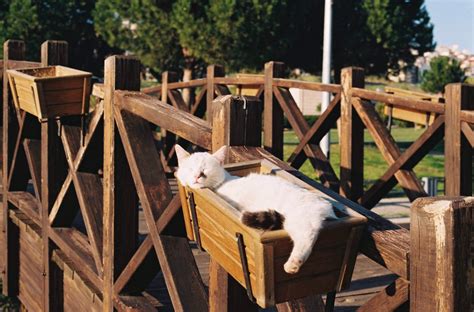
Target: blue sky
x=453 y=22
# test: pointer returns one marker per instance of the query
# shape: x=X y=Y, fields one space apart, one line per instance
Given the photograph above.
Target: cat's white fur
x=303 y=210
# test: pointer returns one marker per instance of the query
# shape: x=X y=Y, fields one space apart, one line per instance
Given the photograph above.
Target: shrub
x=443 y=70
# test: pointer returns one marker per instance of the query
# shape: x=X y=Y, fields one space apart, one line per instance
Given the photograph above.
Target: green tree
x=377 y=34
x=142 y=27
x=35 y=21
x=443 y=70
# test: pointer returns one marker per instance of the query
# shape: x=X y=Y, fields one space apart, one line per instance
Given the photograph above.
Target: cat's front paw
x=292 y=266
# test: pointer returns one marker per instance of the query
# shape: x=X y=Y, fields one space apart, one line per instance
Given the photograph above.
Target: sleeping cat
x=266 y=201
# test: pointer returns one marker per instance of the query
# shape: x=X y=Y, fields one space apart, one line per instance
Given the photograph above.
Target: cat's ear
x=221 y=154
x=181 y=153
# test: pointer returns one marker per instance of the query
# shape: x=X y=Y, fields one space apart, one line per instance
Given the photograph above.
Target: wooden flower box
x=215 y=225
x=52 y=91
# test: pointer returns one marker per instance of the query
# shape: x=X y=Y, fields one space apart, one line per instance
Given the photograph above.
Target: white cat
x=266 y=201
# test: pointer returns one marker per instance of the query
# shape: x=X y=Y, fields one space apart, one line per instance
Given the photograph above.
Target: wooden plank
x=272 y=112
x=458 y=152
x=393 y=297
x=317 y=131
x=168 y=139
x=33 y=155
x=199 y=108
x=212 y=71
x=409 y=159
x=320 y=163
x=177 y=100
x=53 y=169
x=441 y=251
x=12 y=50
x=388 y=148
x=177 y=263
x=26 y=203
x=119 y=198
x=75 y=246
x=89 y=192
x=140 y=256
x=398 y=101
x=181 y=123
x=133 y=303
x=382 y=241
x=351 y=136
x=306 y=85
x=468 y=132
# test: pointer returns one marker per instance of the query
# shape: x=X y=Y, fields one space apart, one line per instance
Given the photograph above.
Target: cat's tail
x=265 y=220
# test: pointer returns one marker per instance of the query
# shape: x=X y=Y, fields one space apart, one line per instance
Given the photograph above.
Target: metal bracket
x=192 y=207
x=245 y=268
x=330 y=299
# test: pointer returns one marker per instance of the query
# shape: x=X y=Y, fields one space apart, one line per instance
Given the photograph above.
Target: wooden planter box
x=52 y=91
x=329 y=268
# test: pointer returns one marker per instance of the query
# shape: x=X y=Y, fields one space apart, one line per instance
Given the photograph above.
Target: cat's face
x=201 y=170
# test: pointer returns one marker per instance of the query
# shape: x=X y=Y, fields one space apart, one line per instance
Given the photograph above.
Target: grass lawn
x=374 y=164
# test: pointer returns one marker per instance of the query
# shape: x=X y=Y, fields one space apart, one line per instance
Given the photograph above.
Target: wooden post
x=12 y=50
x=352 y=137
x=212 y=71
x=272 y=112
x=458 y=151
x=235 y=121
x=54 y=52
x=441 y=254
x=120 y=201
x=54 y=169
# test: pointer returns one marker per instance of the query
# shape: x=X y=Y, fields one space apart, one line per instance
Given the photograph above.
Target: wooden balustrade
x=52 y=262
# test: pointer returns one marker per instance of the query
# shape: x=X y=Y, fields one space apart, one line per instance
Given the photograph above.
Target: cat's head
x=201 y=170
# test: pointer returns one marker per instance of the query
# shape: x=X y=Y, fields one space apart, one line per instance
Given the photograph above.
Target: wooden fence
x=53 y=260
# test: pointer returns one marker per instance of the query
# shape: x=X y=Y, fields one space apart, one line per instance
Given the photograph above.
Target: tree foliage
x=35 y=21
x=443 y=70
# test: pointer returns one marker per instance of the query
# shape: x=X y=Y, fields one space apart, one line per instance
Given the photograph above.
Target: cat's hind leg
x=303 y=234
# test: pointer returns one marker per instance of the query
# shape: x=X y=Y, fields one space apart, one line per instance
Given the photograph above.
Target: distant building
x=413 y=74
x=464 y=57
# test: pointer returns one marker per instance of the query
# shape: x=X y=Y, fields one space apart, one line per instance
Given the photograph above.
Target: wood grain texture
x=119 y=73
x=272 y=112
x=12 y=50
x=181 y=123
x=388 y=148
x=393 y=298
x=441 y=267
x=352 y=134
x=458 y=152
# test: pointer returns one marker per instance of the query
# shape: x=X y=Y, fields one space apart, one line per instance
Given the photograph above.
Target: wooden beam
x=409 y=159
x=12 y=50
x=394 y=297
x=212 y=71
x=272 y=112
x=231 y=127
x=388 y=148
x=53 y=171
x=398 y=101
x=120 y=73
x=317 y=131
x=176 y=260
x=441 y=254
x=458 y=152
x=181 y=123
x=351 y=140
x=320 y=163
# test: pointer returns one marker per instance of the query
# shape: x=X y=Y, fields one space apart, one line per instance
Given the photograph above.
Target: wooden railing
x=53 y=261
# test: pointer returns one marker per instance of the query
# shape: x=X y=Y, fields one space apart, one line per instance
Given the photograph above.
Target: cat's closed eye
x=202 y=175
